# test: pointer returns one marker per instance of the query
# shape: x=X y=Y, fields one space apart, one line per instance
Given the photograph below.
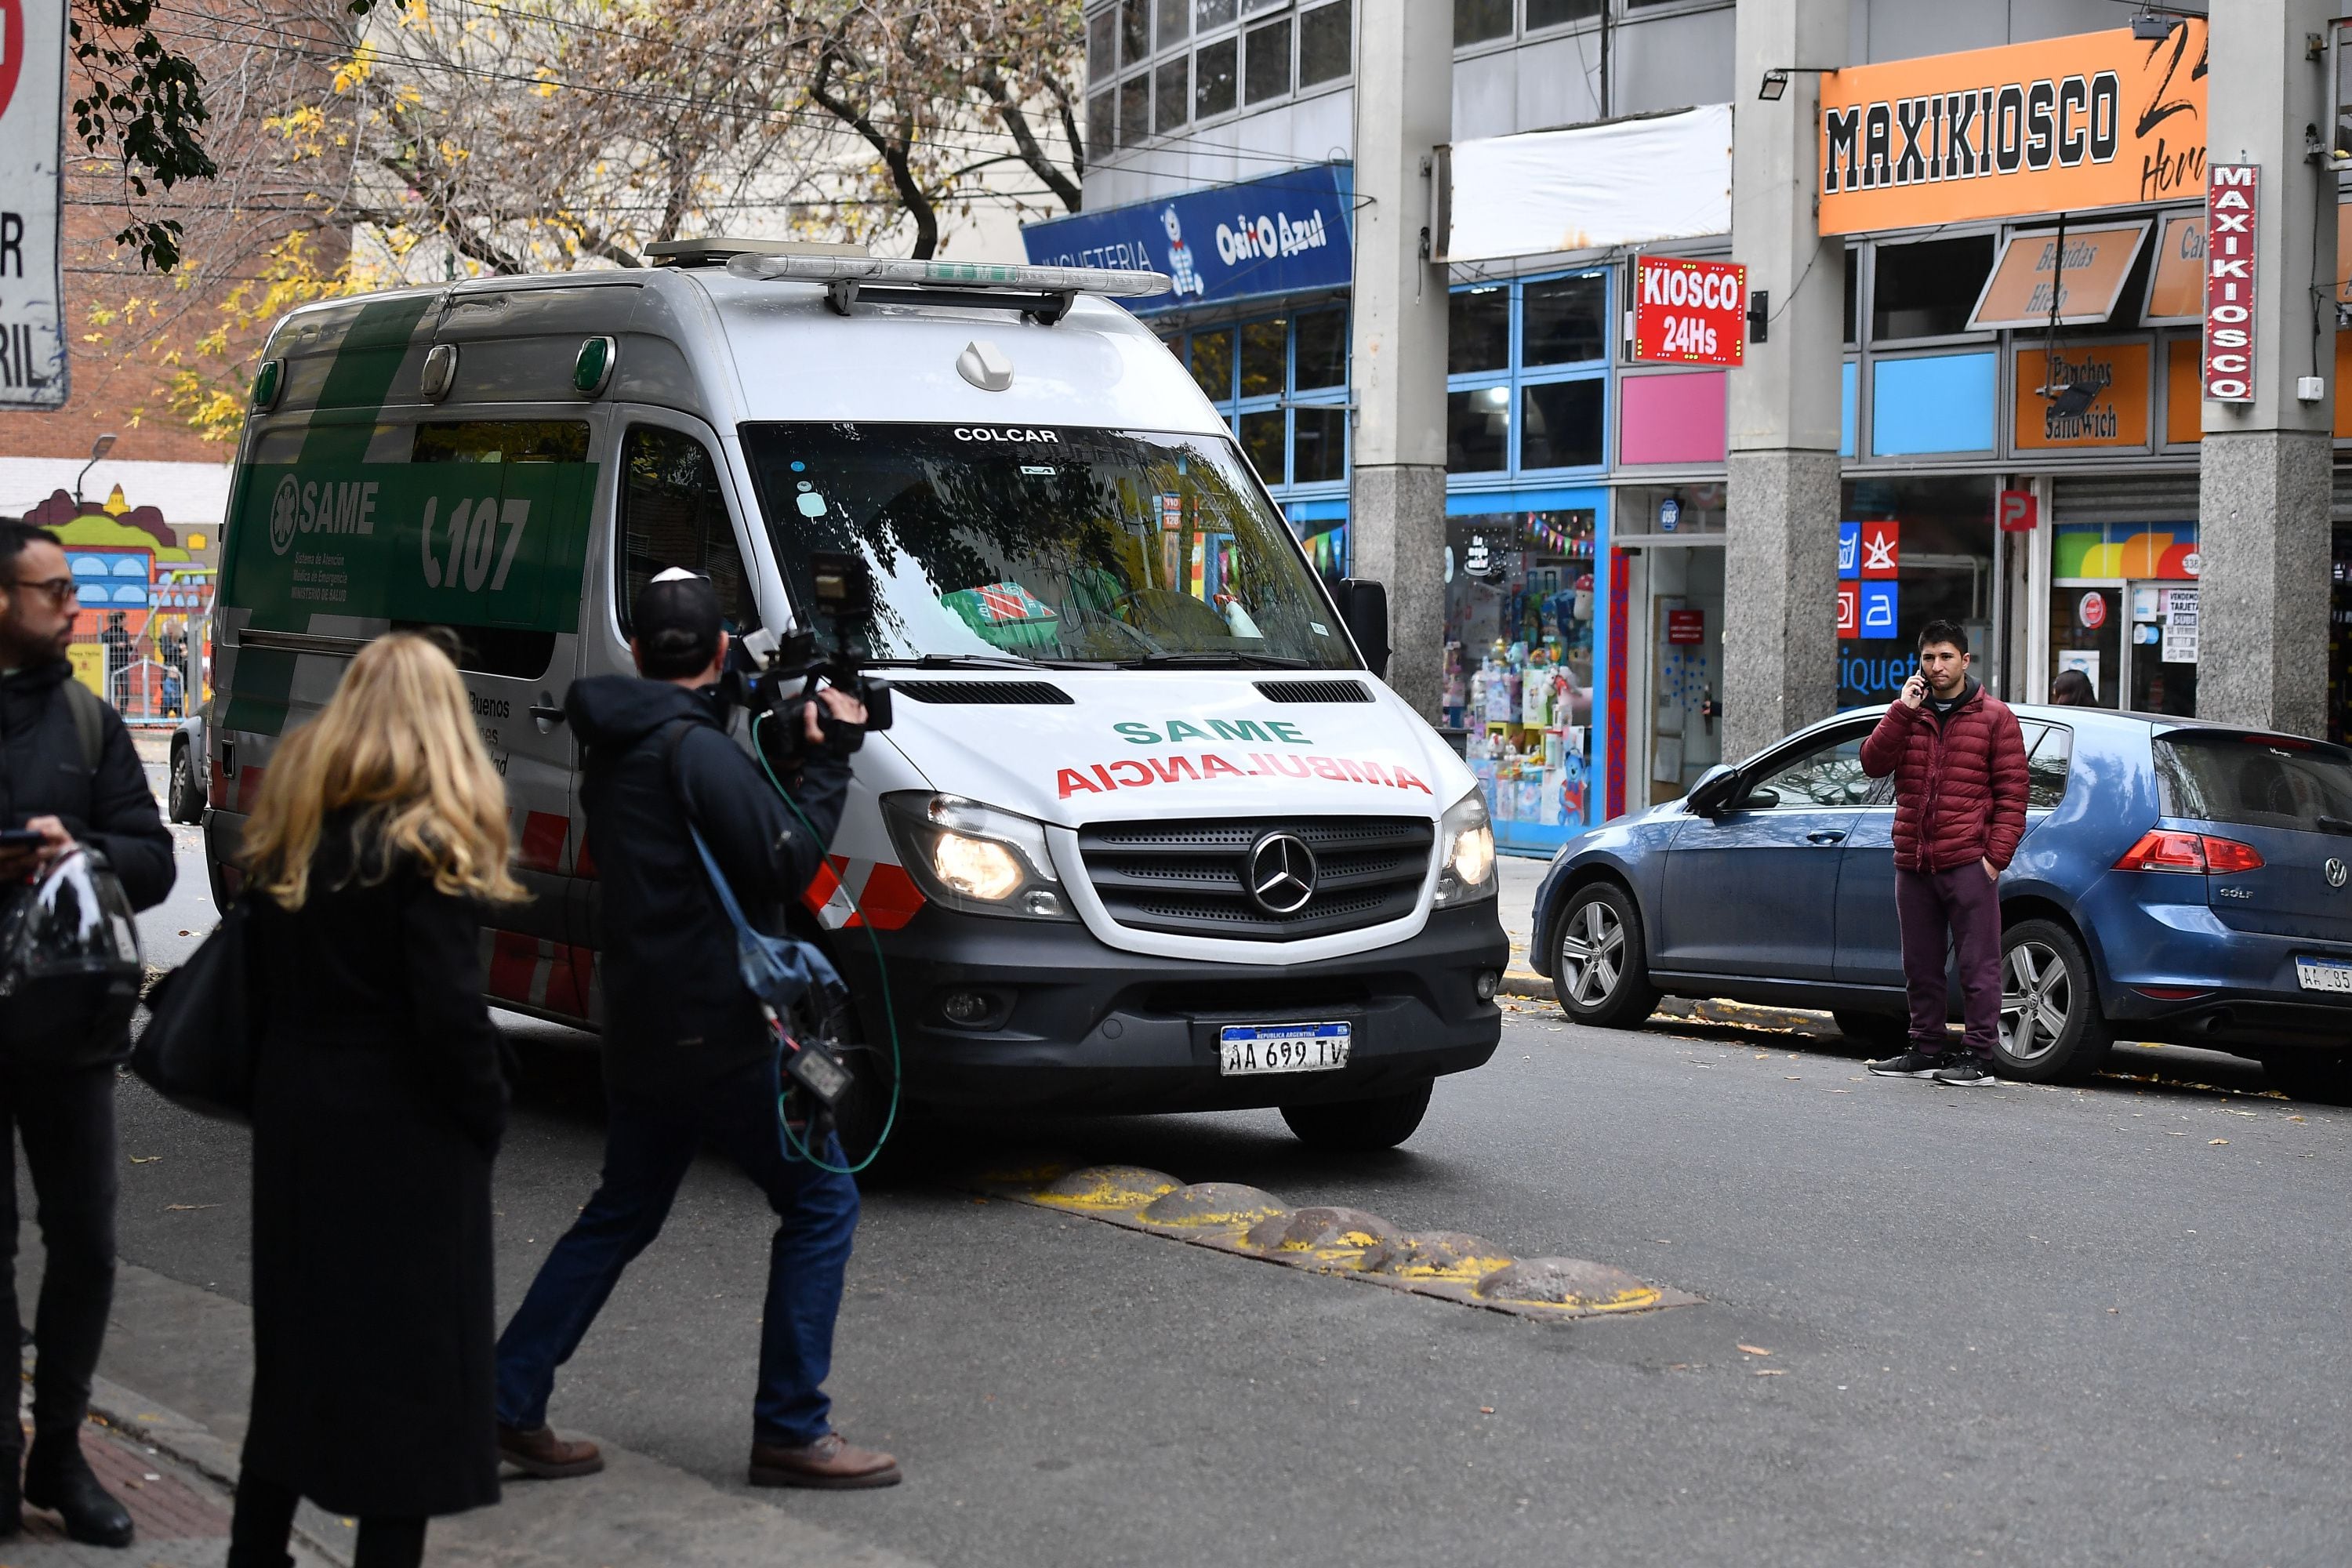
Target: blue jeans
x=649 y=1142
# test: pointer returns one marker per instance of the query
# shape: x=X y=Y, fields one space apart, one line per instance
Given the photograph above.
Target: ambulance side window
x=673 y=513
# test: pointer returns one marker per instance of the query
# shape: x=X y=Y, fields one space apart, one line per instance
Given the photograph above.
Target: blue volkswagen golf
x=2178 y=881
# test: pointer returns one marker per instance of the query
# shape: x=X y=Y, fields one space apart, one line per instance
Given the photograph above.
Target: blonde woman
x=378 y=1105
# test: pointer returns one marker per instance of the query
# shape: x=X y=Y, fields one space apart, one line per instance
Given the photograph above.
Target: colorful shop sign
x=2230 y=282
x=2092 y=551
x=1689 y=312
x=1279 y=235
x=2070 y=125
x=2068 y=277
x=2082 y=397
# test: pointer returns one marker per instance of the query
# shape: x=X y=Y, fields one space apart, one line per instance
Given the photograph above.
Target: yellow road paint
x=1122 y=1188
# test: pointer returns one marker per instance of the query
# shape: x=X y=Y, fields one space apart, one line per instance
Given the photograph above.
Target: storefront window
x=1213 y=364
x=1508 y=354
x=1319 y=445
x=1478 y=430
x=1912 y=551
x=1560 y=425
x=1644 y=510
x=1261 y=433
x=1322 y=350
x=2124 y=612
x=1566 y=320
x=1478 y=329
x=1265 y=345
x=1926 y=289
x=1519 y=651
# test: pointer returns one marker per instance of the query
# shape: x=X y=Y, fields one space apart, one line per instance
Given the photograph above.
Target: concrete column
x=1780 y=633
x=1396 y=502
x=2267 y=466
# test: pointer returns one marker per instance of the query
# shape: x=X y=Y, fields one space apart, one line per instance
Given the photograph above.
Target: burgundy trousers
x=1955 y=911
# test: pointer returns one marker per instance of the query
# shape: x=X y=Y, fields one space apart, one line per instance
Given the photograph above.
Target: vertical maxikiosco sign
x=32 y=205
x=1284 y=233
x=2229 y=195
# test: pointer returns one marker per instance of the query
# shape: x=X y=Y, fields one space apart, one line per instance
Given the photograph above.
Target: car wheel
x=187 y=800
x=2051 y=1029
x=1876 y=1030
x=1359 y=1126
x=2324 y=1078
x=1599 y=971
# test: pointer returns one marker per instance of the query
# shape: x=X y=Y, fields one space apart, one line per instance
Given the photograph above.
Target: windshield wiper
x=959 y=661
x=1211 y=660
x=2331 y=824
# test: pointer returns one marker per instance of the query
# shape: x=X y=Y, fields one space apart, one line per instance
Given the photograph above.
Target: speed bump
x=1345 y=1243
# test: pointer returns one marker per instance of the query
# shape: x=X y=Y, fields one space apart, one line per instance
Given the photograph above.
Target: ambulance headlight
x=1467 y=840
x=975 y=858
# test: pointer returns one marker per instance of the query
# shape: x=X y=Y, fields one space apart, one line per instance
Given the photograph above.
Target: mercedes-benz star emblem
x=2337 y=872
x=1281 y=872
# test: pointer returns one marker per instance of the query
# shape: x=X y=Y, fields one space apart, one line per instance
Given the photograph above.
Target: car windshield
x=996 y=544
x=2255 y=781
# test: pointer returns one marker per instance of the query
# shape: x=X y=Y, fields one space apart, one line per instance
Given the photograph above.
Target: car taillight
x=2159 y=849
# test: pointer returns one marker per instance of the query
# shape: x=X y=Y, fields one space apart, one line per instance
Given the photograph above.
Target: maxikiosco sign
x=32 y=138
x=1284 y=233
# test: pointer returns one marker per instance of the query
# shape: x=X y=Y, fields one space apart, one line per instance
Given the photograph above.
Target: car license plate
x=2323 y=975
x=1281 y=1048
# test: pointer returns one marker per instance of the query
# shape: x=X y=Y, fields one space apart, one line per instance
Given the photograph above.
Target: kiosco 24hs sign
x=32 y=136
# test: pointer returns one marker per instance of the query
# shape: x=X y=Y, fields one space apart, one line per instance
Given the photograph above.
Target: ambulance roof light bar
x=1043 y=293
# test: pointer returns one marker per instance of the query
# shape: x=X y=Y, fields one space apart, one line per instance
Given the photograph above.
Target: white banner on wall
x=1621 y=182
x=32 y=136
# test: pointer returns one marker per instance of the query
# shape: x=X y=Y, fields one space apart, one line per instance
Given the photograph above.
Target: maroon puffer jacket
x=1959 y=786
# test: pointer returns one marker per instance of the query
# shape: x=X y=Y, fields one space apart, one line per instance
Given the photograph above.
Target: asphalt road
x=2019 y=1325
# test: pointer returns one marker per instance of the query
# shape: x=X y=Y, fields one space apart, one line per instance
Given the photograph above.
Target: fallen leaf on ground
x=1771 y=1372
x=2215 y=1142
x=1755 y=1350
x=144 y=1159
x=1486 y=1410
x=2294 y=1119
x=187 y=1208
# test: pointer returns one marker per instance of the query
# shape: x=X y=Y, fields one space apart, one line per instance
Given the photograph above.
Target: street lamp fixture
x=98 y=449
x=2150 y=29
x=1776 y=81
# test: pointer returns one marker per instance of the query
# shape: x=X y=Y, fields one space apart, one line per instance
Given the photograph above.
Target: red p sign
x=2016 y=511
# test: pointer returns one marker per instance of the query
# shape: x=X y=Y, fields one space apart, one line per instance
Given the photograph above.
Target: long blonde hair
x=398 y=743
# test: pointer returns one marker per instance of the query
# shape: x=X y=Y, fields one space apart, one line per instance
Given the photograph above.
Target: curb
x=193 y=1445
x=1526 y=983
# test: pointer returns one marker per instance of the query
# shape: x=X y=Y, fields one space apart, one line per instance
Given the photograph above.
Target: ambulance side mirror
x=1364 y=606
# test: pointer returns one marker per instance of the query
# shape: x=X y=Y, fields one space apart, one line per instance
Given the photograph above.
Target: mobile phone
x=21 y=838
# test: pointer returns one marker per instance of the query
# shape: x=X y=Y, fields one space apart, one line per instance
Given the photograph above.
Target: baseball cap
x=677 y=621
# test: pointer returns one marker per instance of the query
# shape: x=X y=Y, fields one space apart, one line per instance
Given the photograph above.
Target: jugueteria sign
x=2097 y=120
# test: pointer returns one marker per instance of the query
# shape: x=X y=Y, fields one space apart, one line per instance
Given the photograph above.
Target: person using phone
x=69 y=775
x=1958 y=762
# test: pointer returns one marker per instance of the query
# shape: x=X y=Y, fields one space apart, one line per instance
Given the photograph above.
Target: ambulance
x=1148 y=834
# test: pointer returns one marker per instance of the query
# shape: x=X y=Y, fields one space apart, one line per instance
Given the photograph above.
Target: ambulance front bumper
x=1071 y=1025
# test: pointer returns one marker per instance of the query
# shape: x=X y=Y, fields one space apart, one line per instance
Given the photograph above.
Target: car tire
x=1876 y=1030
x=2323 y=1078
x=1599 y=971
x=2052 y=1028
x=187 y=799
x=1359 y=1126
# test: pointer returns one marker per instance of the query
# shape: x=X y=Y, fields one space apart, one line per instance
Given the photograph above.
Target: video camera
x=779 y=677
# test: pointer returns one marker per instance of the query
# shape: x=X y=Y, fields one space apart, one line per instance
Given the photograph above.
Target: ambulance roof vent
x=718 y=250
x=1042 y=293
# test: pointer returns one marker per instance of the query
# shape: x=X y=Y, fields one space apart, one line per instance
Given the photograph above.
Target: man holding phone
x=1958 y=762
x=68 y=776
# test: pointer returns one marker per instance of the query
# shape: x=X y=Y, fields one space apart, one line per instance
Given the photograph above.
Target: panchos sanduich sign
x=2073 y=124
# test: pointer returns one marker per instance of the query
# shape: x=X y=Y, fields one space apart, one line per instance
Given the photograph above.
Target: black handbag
x=197 y=1048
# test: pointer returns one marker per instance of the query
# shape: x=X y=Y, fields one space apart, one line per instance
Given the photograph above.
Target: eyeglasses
x=59 y=591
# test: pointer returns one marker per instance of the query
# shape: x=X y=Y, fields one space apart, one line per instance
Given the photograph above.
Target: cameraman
x=68 y=772
x=689 y=1057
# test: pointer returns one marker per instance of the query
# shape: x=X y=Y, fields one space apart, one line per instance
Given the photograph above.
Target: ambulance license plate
x=1244 y=1048
x=2323 y=975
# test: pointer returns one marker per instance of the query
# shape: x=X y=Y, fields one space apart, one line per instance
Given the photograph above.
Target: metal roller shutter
x=2132 y=497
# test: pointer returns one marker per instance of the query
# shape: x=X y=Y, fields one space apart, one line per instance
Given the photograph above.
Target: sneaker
x=1966 y=1073
x=1910 y=1064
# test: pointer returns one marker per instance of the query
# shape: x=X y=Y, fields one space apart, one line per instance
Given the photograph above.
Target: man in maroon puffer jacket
x=1959 y=809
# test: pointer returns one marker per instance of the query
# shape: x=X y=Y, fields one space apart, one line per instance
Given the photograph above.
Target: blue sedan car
x=2178 y=881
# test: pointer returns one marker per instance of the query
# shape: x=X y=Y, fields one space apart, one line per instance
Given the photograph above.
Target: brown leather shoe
x=832 y=1463
x=540 y=1452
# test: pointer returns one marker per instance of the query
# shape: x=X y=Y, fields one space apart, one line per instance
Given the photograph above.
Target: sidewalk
x=169 y=1451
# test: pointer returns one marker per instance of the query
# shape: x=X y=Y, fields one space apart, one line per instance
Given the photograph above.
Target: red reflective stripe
x=890 y=898
x=514 y=958
x=584 y=863
x=568 y=977
x=542 y=841
x=821 y=885
x=249 y=788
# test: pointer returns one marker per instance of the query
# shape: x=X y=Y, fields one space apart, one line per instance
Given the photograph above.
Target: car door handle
x=1824 y=838
x=546 y=718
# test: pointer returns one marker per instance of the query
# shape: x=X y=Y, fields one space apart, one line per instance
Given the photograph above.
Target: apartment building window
x=1213 y=13
x=1213 y=78
x=1175 y=21
x=1556 y=13
x=1102 y=117
x=1282 y=383
x=1134 y=109
x=1102 y=45
x=1323 y=52
x=1171 y=93
x=1528 y=362
x=1134 y=32
x=1481 y=21
x=1265 y=62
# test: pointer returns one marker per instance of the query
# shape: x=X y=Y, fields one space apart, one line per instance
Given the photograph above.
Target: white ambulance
x=1148 y=834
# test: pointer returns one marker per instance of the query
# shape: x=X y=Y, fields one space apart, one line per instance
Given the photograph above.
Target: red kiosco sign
x=1689 y=312
x=1686 y=627
x=2229 y=281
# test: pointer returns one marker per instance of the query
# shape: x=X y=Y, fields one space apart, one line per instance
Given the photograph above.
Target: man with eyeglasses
x=68 y=775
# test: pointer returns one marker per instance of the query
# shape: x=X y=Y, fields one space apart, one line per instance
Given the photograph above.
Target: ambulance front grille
x=1191 y=878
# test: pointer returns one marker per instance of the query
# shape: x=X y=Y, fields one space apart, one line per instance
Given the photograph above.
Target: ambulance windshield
x=1045 y=545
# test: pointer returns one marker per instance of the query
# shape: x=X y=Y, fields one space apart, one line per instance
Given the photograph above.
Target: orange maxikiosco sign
x=2073 y=124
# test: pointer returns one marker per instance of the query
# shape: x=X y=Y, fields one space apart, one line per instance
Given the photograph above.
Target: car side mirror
x=1712 y=796
x=1364 y=609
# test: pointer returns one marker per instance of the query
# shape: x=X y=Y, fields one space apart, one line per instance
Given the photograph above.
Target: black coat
x=379 y=1101
x=42 y=774
x=675 y=1008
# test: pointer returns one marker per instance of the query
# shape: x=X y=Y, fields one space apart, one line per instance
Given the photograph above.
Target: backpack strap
x=89 y=712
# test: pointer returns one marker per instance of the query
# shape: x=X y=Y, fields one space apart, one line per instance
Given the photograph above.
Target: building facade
x=2040 y=367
